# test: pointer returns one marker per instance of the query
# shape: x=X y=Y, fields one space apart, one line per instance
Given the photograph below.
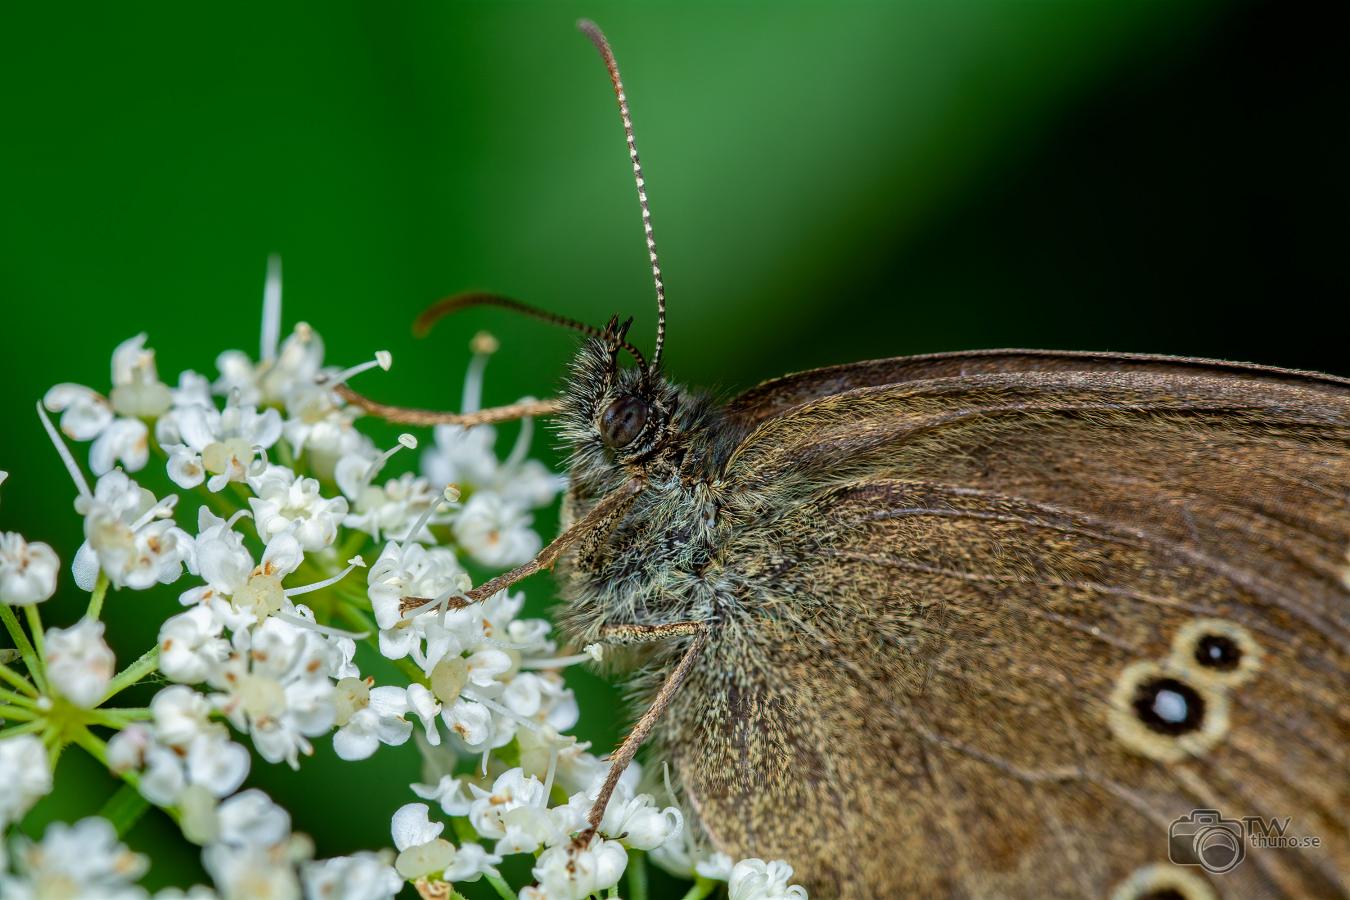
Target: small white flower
x=238 y=593
x=190 y=646
x=180 y=716
x=461 y=456
x=115 y=424
x=450 y=792
x=530 y=484
x=285 y=502
x=422 y=850
x=164 y=776
x=582 y=772
x=27 y=571
x=470 y=862
x=388 y=509
x=639 y=823
x=193 y=389
x=412 y=826
x=245 y=873
x=126 y=441
x=513 y=789
x=137 y=391
x=361 y=876
x=470 y=722
x=223 y=444
x=27 y=779
x=128 y=535
x=373 y=717
x=200 y=755
x=251 y=819
x=754 y=879
x=465 y=456
x=496 y=532
x=127 y=748
x=320 y=426
x=276 y=686
x=217 y=764
x=279 y=369
x=80 y=860
x=717 y=866
x=411 y=570
x=221 y=559
x=84 y=411
x=567 y=872
x=79 y=662
x=422 y=703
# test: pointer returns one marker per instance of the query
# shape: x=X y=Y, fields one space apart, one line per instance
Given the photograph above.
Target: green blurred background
x=829 y=182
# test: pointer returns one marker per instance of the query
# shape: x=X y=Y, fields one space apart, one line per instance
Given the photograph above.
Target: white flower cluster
x=27 y=571
x=281 y=497
x=515 y=813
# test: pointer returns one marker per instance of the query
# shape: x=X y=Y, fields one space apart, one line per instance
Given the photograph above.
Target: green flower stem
x=118 y=718
x=25 y=728
x=637 y=875
x=133 y=673
x=94 y=747
x=284 y=455
x=124 y=808
x=14 y=678
x=702 y=888
x=52 y=739
x=30 y=656
x=96 y=598
x=18 y=713
x=34 y=618
x=17 y=699
x=613 y=891
x=500 y=886
x=90 y=744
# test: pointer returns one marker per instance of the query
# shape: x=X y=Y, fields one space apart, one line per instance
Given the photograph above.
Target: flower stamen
x=271 y=314
x=352 y=563
x=449 y=496
x=383 y=359
x=404 y=440
x=328 y=630
x=64 y=452
x=483 y=346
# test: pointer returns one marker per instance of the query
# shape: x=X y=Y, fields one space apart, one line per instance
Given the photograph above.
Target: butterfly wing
x=993 y=633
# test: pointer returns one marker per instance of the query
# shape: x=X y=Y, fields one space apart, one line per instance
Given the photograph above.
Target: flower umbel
x=255 y=495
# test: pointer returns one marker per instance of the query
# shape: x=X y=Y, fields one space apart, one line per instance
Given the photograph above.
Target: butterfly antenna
x=592 y=31
x=453 y=304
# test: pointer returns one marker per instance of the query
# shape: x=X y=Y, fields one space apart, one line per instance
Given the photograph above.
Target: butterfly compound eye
x=623 y=421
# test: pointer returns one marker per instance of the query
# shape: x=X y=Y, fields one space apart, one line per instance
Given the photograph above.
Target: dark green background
x=829 y=182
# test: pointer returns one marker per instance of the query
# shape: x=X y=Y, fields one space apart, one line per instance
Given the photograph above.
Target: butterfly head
x=612 y=415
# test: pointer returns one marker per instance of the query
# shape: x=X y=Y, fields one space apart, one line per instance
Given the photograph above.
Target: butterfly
x=996 y=623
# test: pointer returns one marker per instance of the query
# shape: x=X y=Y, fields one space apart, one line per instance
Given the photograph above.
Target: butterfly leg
x=600 y=518
x=625 y=635
x=623 y=755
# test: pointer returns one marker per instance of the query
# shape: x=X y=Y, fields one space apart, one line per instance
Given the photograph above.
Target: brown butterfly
x=970 y=624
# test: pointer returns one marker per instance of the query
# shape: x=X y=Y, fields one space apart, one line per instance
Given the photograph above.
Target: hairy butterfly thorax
x=967 y=624
x=623 y=425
